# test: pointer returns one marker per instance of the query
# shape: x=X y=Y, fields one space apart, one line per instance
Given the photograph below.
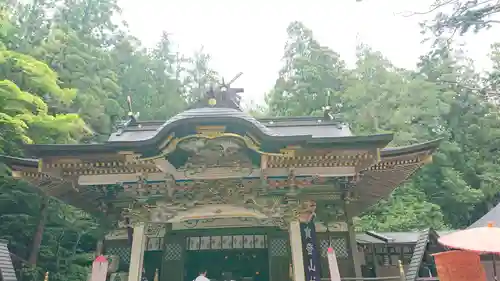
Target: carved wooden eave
x=159 y=229
x=30 y=171
x=217 y=212
x=218 y=201
x=395 y=167
x=55 y=185
x=140 y=190
x=144 y=200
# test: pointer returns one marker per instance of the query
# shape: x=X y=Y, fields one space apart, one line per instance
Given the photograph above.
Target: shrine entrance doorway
x=247 y=265
x=234 y=257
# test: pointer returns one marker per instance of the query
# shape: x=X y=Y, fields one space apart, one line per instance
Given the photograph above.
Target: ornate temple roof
x=315 y=127
x=276 y=132
x=198 y=157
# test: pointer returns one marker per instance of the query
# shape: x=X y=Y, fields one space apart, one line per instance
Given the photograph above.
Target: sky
x=249 y=35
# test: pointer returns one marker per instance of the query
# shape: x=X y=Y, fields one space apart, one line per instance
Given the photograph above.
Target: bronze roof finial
x=131 y=115
x=223 y=95
x=327 y=109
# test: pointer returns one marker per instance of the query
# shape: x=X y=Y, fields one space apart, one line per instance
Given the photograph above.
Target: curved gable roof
x=281 y=132
x=316 y=127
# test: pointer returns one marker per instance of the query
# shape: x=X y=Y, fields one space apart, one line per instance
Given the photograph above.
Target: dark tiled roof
x=211 y=113
x=282 y=126
x=492 y=216
x=13 y=161
x=393 y=237
x=311 y=130
x=6 y=267
x=399 y=150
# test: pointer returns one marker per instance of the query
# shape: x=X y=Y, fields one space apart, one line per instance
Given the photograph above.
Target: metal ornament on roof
x=131 y=117
x=329 y=112
x=223 y=95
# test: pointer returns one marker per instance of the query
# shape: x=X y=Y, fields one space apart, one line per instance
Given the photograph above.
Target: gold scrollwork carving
x=248 y=141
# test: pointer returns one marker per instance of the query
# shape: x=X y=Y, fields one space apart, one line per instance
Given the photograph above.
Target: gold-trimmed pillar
x=296 y=250
x=137 y=253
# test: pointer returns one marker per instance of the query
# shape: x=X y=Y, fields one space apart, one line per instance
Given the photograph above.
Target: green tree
x=312 y=76
x=28 y=93
x=407 y=209
x=199 y=76
x=492 y=82
x=149 y=77
x=25 y=113
x=461 y=16
x=85 y=68
x=434 y=102
x=381 y=98
x=65 y=64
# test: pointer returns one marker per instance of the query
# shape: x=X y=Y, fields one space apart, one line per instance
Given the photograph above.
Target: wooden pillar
x=375 y=261
x=296 y=249
x=137 y=253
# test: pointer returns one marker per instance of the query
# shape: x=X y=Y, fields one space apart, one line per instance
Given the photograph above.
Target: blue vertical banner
x=310 y=251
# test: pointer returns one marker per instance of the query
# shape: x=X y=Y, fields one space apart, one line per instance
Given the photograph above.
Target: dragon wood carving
x=214 y=169
x=215 y=158
x=278 y=210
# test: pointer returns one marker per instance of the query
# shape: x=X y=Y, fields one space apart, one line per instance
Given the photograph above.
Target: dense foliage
x=65 y=78
x=67 y=67
x=444 y=97
x=461 y=16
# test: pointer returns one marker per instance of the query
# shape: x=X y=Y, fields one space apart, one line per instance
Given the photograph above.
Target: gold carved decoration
x=247 y=140
x=276 y=210
x=215 y=158
x=288 y=152
x=210 y=131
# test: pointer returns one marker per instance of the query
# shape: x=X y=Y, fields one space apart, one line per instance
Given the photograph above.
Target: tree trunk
x=37 y=239
x=58 y=249
x=75 y=248
x=99 y=247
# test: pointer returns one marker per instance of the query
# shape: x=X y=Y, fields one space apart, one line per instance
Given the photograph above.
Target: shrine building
x=215 y=188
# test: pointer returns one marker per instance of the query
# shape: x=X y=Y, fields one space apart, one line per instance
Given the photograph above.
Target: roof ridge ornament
x=327 y=109
x=131 y=116
x=222 y=95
